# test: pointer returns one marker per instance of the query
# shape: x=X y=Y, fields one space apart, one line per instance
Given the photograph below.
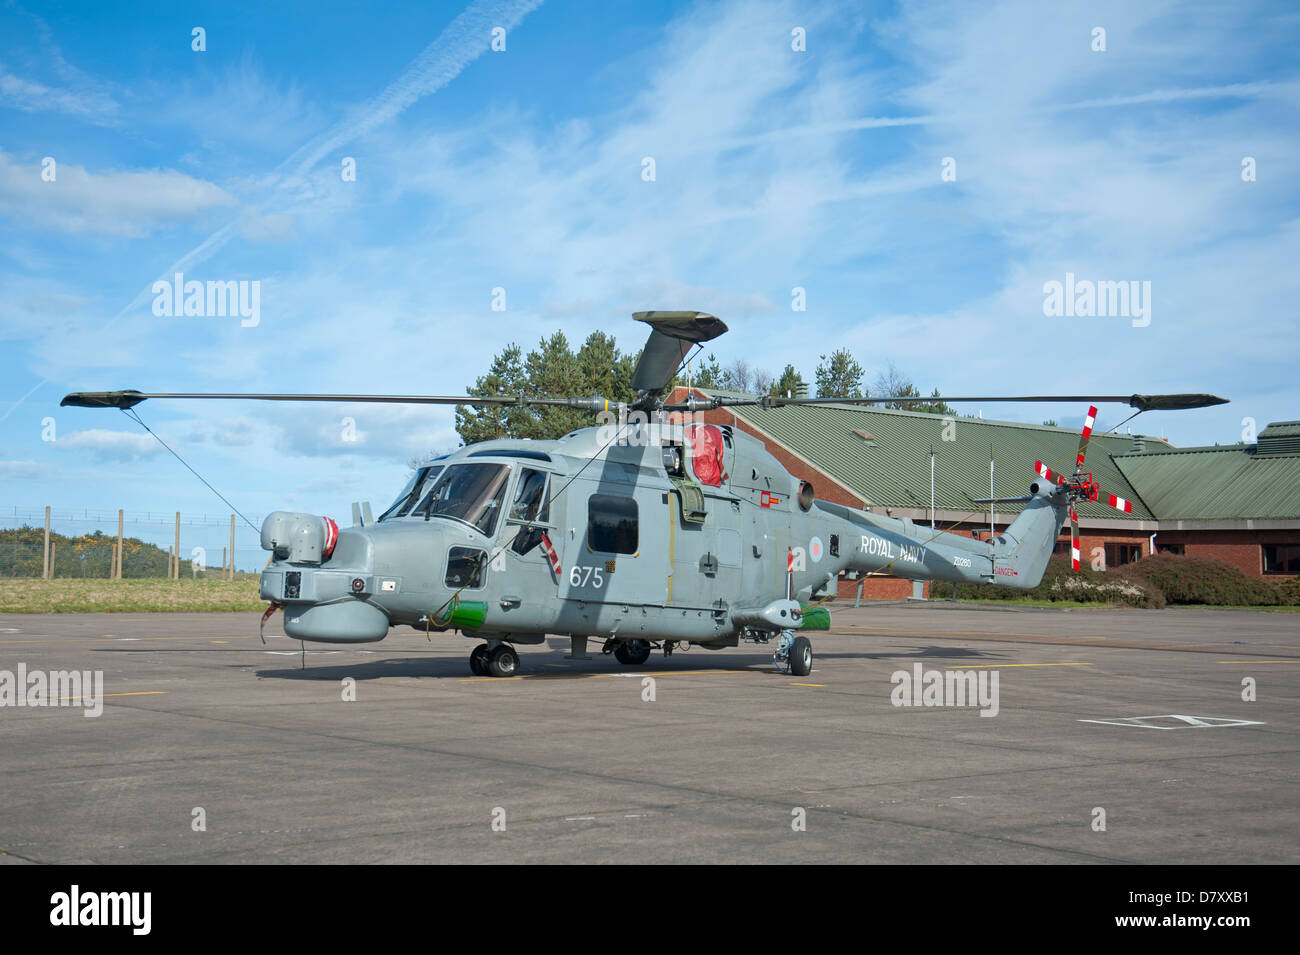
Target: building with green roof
x=1239 y=503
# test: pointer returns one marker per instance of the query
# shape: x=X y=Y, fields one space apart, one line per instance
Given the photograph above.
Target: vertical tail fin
x=1023 y=549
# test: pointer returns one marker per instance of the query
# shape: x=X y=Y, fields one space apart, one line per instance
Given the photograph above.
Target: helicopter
x=651 y=530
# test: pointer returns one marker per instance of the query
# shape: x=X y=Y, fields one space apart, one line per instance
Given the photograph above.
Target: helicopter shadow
x=368 y=670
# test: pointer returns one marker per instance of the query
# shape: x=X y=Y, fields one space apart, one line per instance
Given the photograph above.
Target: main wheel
x=478 y=660
x=632 y=652
x=503 y=661
x=801 y=657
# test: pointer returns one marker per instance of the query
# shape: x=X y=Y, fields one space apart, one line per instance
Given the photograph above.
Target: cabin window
x=531 y=506
x=465 y=567
x=612 y=524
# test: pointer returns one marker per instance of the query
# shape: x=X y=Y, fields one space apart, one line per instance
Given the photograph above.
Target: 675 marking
x=582 y=576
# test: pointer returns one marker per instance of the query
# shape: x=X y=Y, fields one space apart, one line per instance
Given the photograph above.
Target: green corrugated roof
x=895 y=470
x=1220 y=483
x=1282 y=429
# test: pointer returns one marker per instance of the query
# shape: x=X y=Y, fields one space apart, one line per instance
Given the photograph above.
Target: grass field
x=91 y=595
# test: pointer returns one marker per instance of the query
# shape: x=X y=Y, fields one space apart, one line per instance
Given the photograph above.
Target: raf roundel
x=815 y=549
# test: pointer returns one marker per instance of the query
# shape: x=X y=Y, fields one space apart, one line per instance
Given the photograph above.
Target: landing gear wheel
x=478 y=660
x=632 y=652
x=801 y=656
x=503 y=661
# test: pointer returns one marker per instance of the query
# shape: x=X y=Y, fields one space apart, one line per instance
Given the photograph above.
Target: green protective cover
x=815 y=618
x=468 y=615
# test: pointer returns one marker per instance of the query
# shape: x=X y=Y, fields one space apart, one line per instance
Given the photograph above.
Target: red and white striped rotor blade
x=1074 y=539
x=1119 y=503
x=1044 y=471
x=1086 y=436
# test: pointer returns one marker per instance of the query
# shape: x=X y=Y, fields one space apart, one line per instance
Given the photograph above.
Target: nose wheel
x=500 y=660
x=793 y=654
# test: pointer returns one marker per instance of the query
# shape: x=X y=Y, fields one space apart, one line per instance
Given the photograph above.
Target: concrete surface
x=199 y=714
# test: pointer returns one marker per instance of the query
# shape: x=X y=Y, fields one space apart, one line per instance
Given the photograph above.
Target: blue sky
x=522 y=169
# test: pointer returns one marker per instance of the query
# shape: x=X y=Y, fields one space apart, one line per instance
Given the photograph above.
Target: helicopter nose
x=324 y=579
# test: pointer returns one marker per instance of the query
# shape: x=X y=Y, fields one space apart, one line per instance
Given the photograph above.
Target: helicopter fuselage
x=676 y=532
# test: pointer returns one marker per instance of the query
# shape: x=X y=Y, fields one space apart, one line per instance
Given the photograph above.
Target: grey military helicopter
x=649 y=530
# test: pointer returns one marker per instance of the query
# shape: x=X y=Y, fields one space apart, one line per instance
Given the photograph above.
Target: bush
x=1199 y=580
x=1060 y=584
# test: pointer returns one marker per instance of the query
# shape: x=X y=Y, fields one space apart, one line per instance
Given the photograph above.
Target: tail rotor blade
x=1074 y=539
x=1119 y=503
x=1044 y=471
x=1085 y=437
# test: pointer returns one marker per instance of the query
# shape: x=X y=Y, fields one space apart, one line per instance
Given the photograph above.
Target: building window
x=1281 y=558
x=1175 y=549
x=611 y=524
x=1117 y=555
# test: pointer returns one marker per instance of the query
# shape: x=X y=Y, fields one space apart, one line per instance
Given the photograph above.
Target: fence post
x=176 y=565
x=117 y=571
x=231 y=573
x=45 y=553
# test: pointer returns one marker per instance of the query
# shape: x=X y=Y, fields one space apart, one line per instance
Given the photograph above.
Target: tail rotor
x=1080 y=486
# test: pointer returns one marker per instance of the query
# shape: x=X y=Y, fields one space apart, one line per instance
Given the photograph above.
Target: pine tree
x=839 y=376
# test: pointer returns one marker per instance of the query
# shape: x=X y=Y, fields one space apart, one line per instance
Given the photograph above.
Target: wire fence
x=83 y=543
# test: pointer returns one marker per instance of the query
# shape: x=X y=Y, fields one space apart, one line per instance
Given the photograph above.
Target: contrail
x=1233 y=90
x=460 y=43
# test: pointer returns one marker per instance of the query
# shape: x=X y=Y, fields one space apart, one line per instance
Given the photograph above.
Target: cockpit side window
x=531 y=506
x=416 y=487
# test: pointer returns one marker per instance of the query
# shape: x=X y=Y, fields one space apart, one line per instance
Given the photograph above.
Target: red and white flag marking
x=551 y=555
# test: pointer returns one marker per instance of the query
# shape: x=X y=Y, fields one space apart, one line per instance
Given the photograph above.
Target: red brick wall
x=1242 y=549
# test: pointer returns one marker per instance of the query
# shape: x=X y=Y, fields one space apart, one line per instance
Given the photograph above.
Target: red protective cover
x=705 y=441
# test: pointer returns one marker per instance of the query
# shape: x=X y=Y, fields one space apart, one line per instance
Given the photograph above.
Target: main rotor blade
x=672 y=334
x=1141 y=402
x=129 y=399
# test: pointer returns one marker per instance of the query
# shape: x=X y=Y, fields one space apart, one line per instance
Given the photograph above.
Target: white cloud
x=31 y=96
x=110 y=445
x=22 y=470
x=109 y=203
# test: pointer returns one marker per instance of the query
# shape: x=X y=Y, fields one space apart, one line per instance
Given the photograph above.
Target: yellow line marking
x=807 y=684
x=220 y=641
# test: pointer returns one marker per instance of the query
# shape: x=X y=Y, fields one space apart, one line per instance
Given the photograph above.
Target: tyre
x=801 y=657
x=478 y=660
x=503 y=661
x=632 y=652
